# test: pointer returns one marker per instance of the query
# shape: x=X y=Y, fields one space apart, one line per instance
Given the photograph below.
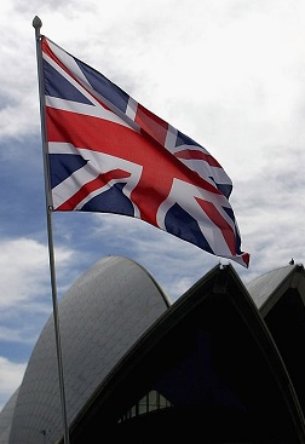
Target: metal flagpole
x=37 y=23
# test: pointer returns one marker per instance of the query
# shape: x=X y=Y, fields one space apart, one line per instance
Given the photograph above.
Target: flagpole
x=37 y=23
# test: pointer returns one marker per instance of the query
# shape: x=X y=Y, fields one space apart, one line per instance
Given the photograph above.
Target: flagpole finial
x=37 y=23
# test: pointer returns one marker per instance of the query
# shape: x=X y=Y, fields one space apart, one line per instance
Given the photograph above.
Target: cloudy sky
x=228 y=73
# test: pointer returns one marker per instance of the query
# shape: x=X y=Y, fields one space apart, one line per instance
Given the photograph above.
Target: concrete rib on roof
x=101 y=317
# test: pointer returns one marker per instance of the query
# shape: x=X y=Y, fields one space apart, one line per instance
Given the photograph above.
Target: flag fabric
x=107 y=153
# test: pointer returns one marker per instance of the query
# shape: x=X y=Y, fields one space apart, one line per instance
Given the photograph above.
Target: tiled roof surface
x=101 y=317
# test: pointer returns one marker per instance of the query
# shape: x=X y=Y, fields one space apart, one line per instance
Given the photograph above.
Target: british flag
x=107 y=153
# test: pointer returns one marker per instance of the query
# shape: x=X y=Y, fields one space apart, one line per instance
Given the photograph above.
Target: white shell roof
x=6 y=418
x=263 y=289
x=101 y=317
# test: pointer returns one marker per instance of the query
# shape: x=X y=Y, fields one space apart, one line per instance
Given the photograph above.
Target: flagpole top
x=37 y=23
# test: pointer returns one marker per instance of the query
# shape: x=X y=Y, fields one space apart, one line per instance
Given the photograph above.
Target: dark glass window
x=152 y=401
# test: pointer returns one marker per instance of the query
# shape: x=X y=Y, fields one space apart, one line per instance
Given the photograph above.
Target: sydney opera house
x=222 y=364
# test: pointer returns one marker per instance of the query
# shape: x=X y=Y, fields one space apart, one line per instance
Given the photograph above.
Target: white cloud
x=174 y=263
x=24 y=270
x=25 y=299
x=16 y=334
x=227 y=75
x=270 y=209
x=224 y=73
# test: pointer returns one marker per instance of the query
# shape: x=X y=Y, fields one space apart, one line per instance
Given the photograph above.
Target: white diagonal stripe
x=97 y=164
x=68 y=61
x=184 y=195
x=85 y=109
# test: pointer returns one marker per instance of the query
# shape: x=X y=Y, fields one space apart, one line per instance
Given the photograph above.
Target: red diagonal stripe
x=213 y=214
x=246 y=258
x=151 y=124
x=107 y=137
x=91 y=186
x=47 y=50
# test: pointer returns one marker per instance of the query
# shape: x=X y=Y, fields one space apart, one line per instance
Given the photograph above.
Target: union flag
x=107 y=153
